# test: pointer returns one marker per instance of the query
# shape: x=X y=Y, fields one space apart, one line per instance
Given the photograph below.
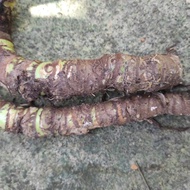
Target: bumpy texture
x=39 y=122
x=101 y=159
x=64 y=78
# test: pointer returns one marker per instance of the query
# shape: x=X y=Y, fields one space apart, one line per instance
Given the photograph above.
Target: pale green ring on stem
x=39 y=71
x=38 y=119
x=3 y=115
x=7 y=45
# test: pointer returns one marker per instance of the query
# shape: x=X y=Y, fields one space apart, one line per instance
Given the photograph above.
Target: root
x=40 y=122
x=62 y=79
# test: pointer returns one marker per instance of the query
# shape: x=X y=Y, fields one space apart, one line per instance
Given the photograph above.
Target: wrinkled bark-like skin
x=40 y=122
x=62 y=79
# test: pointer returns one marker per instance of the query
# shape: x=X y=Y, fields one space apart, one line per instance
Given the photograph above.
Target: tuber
x=40 y=122
x=62 y=79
